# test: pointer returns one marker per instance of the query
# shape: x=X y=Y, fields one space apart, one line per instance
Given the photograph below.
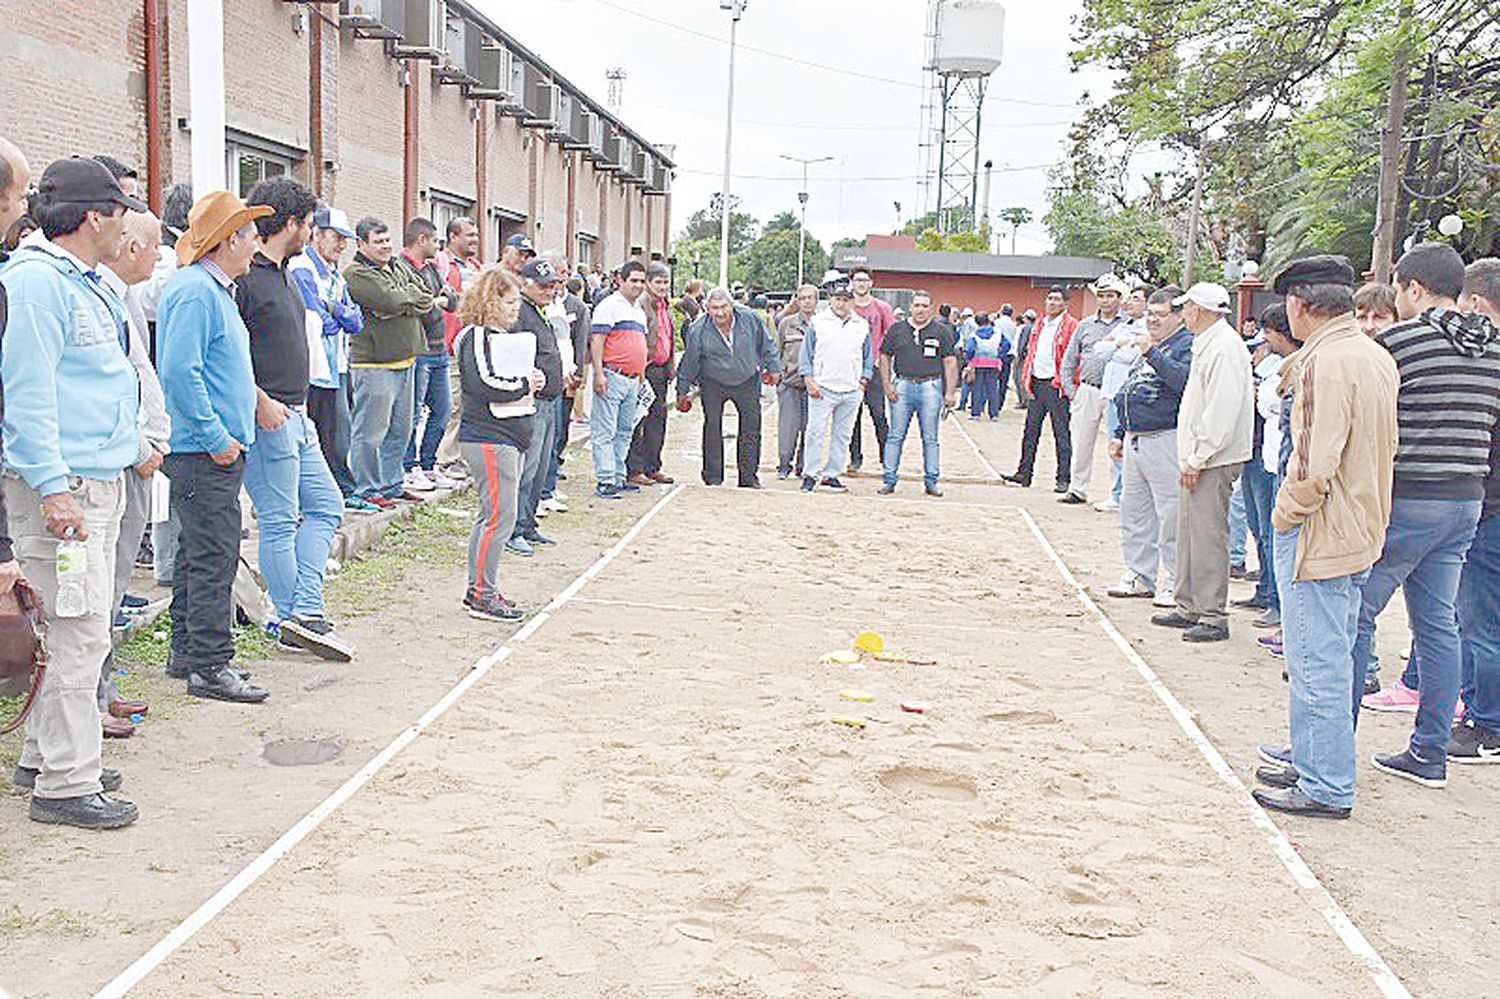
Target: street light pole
x=736 y=10
x=802 y=200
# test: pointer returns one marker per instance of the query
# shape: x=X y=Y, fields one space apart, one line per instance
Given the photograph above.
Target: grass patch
x=71 y=923
x=429 y=538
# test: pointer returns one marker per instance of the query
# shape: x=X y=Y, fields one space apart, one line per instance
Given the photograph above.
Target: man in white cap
x=1214 y=429
x=1083 y=366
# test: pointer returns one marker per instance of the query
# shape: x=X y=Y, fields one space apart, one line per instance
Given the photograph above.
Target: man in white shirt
x=1214 y=429
x=836 y=365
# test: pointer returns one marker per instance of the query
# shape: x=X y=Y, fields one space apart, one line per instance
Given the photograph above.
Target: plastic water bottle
x=72 y=570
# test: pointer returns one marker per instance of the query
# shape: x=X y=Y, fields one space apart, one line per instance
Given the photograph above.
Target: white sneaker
x=559 y=496
x=554 y=505
x=456 y=471
x=1130 y=585
x=441 y=481
x=541 y=511
x=1107 y=506
x=417 y=481
x=1165 y=598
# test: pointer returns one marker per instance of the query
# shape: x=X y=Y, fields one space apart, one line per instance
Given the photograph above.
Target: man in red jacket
x=1041 y=374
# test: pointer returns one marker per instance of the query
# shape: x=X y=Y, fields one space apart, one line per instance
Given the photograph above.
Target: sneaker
x=1271 y=618
x=931 y=489
x=132 y=602
x=357 y=505
x=416 y=481
x=1471 y=743
x=538 y=538
x=1016 y=480
x=553 y=505
x=606 y=491
x=782 y=474
x=628 y=487
x=809 y=484
x=1266 y=641
x=1164 y=598
x=886 y=488
x=315 y=635
x=1107 y=506
x=1372 y=684
x=520 y=546
x=1276 y=755
x=492 y=610
x=542 y=511
x=1408 y=764
x=1397 y=698
x=1130 y=585
x=456 y=470
x=1072 y=498
x=832 y=482
x=121 y=622
x=441 y=481
x=1278 y=652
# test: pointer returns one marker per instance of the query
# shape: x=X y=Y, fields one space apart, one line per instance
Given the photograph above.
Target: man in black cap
x=517 y=250
x=1330 y=519
x=70 y=430
x=539 y=285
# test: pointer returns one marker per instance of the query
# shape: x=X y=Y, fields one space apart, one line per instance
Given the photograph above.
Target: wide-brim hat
x=214 y=218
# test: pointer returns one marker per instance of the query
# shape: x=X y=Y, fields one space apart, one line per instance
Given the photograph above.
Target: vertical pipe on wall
x=570 y=247
x=410 y=145
x=481 y=179
x=151 y=12
x=315 y=103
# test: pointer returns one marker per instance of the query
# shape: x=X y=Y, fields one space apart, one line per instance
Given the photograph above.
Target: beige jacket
x=1338 y=482
x=1216 y=422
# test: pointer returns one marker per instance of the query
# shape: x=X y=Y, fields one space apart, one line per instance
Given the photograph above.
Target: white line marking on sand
x=1359 y=946
x=959 y=426
x=221 y=899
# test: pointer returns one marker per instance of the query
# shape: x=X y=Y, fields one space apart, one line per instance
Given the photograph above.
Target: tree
x=957 y=242
x=705 y=224
x=1017 y=217
x=771 y=261
x=782 y=220
x=1133 y=236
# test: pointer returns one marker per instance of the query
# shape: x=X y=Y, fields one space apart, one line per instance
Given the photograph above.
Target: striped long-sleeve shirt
x=1449 y=402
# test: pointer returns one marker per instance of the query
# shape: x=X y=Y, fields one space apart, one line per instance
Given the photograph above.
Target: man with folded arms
x=1330 y=520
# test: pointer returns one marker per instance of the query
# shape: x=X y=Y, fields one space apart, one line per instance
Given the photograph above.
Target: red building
x=983 y=281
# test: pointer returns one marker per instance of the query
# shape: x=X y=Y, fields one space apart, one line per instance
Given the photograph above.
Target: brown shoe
x=124 y=709
x=116 y=728
x=640 y=479
x=665 y=480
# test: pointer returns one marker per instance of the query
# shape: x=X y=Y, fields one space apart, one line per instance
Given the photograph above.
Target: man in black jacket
x=539 y=285
x=15 y=178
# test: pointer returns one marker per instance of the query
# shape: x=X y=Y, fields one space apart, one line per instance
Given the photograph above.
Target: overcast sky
x=675 y=94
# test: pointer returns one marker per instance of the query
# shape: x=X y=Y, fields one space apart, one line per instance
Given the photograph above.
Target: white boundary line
x=1359 y=946
x=959 y=426
x=221 y=899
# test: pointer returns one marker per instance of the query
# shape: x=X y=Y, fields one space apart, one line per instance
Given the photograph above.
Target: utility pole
x=1195 y=212
x=736 y=10
x=802 y=200
x=1384 y=250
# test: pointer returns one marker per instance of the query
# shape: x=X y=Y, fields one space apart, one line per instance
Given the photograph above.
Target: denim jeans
x=1424 y=555
x=1260 y=497
x=430 y=391
x=1318 y=621
x=839 y=410
x=987 y=396
x=563 y=405
x=381 y=429
x=541 y=452
x=925 y=400
x=612 y=426
x=1479 y=626
x=299 y=506
x=1112 y=423
x=1239 y=525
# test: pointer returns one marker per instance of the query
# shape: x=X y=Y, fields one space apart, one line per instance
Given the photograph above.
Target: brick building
x=396 y=108
x=984 y=281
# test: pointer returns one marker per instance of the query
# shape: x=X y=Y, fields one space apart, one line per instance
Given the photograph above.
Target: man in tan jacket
x=1330 y=518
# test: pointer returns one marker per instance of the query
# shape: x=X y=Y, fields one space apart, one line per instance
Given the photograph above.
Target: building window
x=585 y=254
x=446 y=208
x=248 y=167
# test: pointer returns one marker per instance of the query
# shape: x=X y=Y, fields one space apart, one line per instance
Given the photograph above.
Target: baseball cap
x=1205 y=295
x=80 y=180
x=539 y=270
x=325 y=217
x=522 y=243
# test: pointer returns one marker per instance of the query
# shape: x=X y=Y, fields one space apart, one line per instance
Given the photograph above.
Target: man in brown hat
x=206 y=373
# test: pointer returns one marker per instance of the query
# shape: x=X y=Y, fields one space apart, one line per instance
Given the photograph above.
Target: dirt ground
x=651 y=797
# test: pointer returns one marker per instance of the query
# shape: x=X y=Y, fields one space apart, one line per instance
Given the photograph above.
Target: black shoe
x=1372 y=684
x=1407 y=764
x=1061 y=487
x=1472 y=743
x=886 y=488
x=121 y=622
x=493 y=610
x=628 y=487
x=1072 y=499
x=1294 y=802
x=26 y=777
x=931 y=489
x=752 y=484
x=89 y=811
x=1254 y=603
x=1252 y=576
x=832 y=482
x=1276 y=755
x=1016 y=480
x=538 y=538
x=1237 y=572
x=1277 y=776
x=809 y=484
x=132 y=602
x=606 y=491
x=222 y=685
x=782 y=474
x=181 y=672
x=1206 y=633
x=1172 y=619
x=314 y=635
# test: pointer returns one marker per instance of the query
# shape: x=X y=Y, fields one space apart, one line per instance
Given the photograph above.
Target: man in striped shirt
x=1447 y=411
x=618 y=347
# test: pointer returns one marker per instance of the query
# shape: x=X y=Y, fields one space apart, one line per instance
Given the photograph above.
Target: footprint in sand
x=1020 y=717
x=926 y=782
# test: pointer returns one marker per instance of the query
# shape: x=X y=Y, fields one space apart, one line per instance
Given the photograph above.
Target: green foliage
x=705 y=223
x=959 y=242
x=771 y=262
x=919 y=225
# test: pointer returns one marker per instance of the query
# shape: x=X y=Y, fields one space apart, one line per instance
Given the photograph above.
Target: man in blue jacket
x=206 y=374
x=69 y=431
x=1146 y=437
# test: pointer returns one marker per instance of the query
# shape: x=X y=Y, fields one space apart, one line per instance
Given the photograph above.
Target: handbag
x=23 y=647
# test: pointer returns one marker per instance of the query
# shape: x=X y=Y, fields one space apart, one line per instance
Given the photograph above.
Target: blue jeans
x=1239 y=525
x=925 y=400
x=1112 y=421
x=612 y=426
x=988 y=393
x=1318 y=622
x=380 y=430
x=1260 y=497
x=540 y=453
x=1479 y=626
x=838 y=410
x=299 y=507
x=430 y=389
x=1424 y=555
x=553 y=465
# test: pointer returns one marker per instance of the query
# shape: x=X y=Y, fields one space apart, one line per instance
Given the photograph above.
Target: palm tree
x=1017 y=217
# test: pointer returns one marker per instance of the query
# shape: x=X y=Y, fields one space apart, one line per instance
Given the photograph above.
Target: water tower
x=965 y=42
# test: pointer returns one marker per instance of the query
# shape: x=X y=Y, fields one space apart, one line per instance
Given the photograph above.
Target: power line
x=851 y=180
